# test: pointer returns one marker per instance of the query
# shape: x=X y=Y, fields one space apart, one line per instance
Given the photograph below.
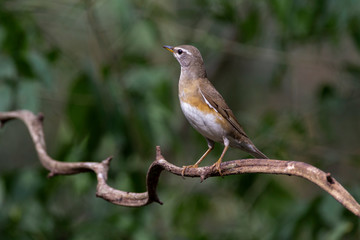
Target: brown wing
x=213 y=97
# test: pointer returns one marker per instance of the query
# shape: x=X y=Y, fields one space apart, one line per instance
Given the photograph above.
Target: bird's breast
x=205 y=120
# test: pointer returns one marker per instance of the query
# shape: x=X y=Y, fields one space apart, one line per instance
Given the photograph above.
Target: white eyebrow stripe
x=184 y=50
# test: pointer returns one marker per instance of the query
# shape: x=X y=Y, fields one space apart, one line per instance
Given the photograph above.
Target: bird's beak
x=169 y=48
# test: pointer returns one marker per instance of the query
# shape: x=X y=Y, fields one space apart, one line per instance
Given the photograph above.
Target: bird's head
x=186 y=55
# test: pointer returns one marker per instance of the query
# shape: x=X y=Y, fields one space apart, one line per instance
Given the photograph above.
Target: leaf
x=5 y=94
x=142 y=37
x=250 y=27
x=354 y=70
x=326 y=92
x=29 y=95
x=354 y=29
x=85 y=112
x=226 y=11
x=40 y=66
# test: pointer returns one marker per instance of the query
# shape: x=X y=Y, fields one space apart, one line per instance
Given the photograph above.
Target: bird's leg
x=218 y=162
x=210 y=147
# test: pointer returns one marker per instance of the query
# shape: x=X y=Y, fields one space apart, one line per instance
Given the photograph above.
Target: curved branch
x=291 y=168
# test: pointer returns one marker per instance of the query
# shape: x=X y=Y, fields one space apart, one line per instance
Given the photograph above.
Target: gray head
x=189 y=58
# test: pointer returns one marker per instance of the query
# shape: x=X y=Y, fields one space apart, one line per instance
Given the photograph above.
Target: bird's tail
x=256 y=153
x=250 y=148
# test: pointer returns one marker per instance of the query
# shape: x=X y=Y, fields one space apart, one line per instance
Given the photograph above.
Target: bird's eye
x=180 y=51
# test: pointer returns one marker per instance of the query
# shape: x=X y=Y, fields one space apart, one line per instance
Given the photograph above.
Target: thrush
x=205 y=109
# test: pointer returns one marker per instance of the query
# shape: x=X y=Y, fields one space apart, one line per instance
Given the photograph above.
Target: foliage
x=106 y=87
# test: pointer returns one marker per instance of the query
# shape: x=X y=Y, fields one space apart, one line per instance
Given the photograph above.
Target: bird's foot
x=186 y=167
x=217 y=166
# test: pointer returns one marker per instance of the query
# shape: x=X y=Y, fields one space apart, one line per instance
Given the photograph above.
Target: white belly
x=206 y=124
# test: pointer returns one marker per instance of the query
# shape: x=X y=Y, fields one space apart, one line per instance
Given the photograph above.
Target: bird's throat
x=192 y=72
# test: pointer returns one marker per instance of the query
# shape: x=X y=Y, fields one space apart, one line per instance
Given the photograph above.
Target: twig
x=291 y=168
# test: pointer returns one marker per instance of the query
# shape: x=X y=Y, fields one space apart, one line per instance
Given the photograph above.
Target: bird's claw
x=217 y=167
x=186 y=167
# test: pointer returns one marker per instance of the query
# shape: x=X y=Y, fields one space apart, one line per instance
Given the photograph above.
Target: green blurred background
x=290 y=70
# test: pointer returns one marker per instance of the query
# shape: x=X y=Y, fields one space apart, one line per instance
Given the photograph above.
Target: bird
x=205 y=108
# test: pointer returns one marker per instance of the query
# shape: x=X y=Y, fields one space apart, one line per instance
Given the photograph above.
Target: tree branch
x=291 y=168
